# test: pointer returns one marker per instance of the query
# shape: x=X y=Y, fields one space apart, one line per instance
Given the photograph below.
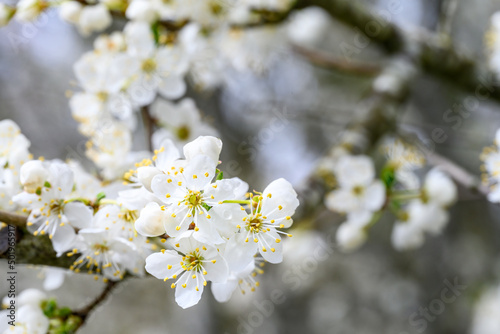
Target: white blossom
x=307 y=27
x=29 y=10
x=359 y=190
x=192 y=264
x=93 y=19
x=70 y=11
x=6 y=13
x=51 y=213
x=180 y=122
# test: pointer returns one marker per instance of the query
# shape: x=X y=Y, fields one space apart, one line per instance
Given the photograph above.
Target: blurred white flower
x=358 y=189
x=486 y=318
x=308 y=26
x=29 y=10
x=6 y=13
x=94 y=18
x=351 y=234
x=70 y=11
x=181 y=122
x=142 y=10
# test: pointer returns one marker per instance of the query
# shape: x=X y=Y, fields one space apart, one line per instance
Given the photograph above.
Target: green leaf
x=49 y=307
x=100 y=196
x=63 y=312
x=38 y=191
x=47 y=184
x=206 y=206
x=220 y=176
x=388 y=176
x=156 y=33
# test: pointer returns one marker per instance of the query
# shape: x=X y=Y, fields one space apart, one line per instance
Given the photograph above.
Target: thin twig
x=435 y=55
x=448 y=9
x=84 y=312
x=326 y=60
x=13 y=219
x=458 y=173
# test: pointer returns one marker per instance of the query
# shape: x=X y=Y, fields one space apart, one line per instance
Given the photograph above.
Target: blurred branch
x=457 y=173
x=434 y=54
x=84 y=312
x=373 y=120
x=326 y=60
x=13 y=219
x=448 y=9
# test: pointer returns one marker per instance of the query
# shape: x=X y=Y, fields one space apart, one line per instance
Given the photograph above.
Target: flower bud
x=6 y=13
x=140 y=10
x=69 y=11
x=204 y=145
x=151 y=221
x=350 y=237
x=93 y=19
x=32 y=297
x=33 y=175
x=28 y=10
x=146 y=174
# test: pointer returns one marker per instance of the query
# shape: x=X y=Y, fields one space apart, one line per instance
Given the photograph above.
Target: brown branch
x=84 y=312
x=435 y=54
x=13 y=219
x=326 y=60
x=458 y=174
x=376 y=118
x=447 y=13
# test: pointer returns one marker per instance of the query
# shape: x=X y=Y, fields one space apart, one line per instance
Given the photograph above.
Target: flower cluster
x=25 y=313
x=33 y=312
x=164 y=46
x=80 y=220
x=13 y=153
x=215 y=227
x=493 y=43
x=216 y=230
x=491 y=169
x=363 y=197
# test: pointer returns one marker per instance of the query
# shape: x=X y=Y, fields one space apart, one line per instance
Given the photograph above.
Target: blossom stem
x=108 y=201
x=238 y=201
x=83 y=313
x=79 y=199
x=405 y=195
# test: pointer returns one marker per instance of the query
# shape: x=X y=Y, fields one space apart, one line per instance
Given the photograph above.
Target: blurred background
x=279 y=123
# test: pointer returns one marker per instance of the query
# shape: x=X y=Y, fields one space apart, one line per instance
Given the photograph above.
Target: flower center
x=149 y=65
x=192 y=261
x=254 y=223
x=183 y=132
x=100 y=248
x=194 y=198
x=103 y=96
x=216 y=8
x=358 y=190
x=130 y=216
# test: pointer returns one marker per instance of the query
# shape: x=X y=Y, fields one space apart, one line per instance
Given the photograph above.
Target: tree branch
x=435 y=54
x=84 y=312
x=374 y=120
x=13 y=219
x=326 y=60
x=459 y=174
